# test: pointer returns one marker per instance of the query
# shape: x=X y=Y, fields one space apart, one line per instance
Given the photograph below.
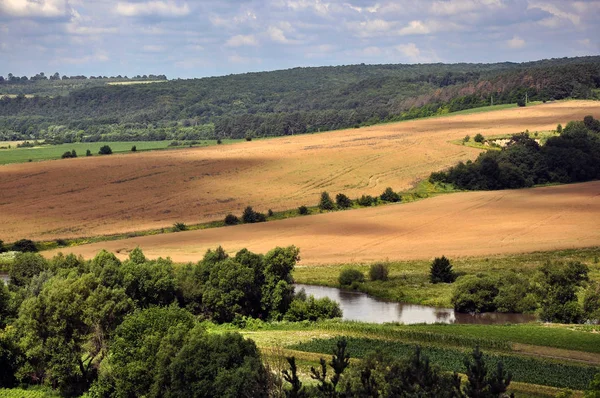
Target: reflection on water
x=359 y=306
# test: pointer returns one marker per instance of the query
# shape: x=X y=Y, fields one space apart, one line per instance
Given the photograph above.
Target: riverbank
x=409 y=280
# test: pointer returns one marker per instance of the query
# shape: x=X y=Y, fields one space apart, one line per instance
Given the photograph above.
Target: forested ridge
x=286 y=102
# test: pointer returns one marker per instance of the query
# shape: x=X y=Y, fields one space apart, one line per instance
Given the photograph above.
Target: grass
x=542 y=136
x=50 y=152
x=409 y=280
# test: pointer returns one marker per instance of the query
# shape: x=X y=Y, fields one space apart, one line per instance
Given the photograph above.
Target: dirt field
x=119 y=193
x=462 y=224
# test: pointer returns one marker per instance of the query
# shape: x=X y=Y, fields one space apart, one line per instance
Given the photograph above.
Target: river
x=359 y=306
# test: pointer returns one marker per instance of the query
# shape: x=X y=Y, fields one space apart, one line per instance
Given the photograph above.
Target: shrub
x=441 y=271
x=179 y=226
x=250 y=216
x=66 y=155
x=467 y=138
x=230 y=219
x=475 y=294
x=479 y=138
x=559 y=129
x=219 y=142
x=350 y=276
x=2 y=248
x=303 y=210
x=342 y=201
x=326 y=203
x=366 y=200
x=105 y=150
x=24 y=246
x=312 y=309
x=390 y=196
x=270 y=213
x=88 y=153
x=379 y=272
x=521 y=102
x=134 y=149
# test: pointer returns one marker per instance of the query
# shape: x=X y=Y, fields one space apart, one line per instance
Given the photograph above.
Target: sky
x=186 y=38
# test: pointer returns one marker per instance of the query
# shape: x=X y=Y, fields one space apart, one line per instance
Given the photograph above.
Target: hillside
x=288 y=102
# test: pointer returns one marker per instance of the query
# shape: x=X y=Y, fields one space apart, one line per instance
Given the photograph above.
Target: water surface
x=359 y=306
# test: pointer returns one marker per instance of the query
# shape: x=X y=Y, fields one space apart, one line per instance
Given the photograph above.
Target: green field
x=409 y=280
x=49 y=152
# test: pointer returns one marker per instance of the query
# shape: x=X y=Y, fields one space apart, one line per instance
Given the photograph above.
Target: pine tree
x=477 y=383
x=441 y=271
x=326 y=203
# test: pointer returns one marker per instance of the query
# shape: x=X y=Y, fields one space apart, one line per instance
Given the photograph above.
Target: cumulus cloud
x=516 y=42
x=410 y=50
x=415 y=28
x=34 y=8
x=167 y=9
x=242 y=40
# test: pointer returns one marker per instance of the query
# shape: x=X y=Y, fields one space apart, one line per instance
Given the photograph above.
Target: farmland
x=121 y=193
x=459 y=224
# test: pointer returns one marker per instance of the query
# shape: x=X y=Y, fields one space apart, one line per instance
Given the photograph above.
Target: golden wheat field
x=460 y=224
x=120 y=193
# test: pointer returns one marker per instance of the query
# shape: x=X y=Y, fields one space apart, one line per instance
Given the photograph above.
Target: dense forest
x=286 y=102
x=572 y=156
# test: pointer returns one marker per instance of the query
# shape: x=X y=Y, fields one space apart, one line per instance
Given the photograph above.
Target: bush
x=559 y=129
x=521 y=102
x=88 y=153
x=105 y=150
x=342 y=201
x=69 y=154
x=475 y=294
x=311 y=309
x=479 y=138
x=379 y=272
x=179 y=226
x=250 y=216
x=467 y=138
x=219 y=142
x=230 y=219
x=270 y=213
x=350 y=276
x=24 y=246
x=303 y=210
x=366 y=200
x=390 y=196
x=134 y=149
x=326 y=203
x=441 y=271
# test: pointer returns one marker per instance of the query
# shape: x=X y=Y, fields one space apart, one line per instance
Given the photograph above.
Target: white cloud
x=243 y=18
x=415 y=28
x=317 y=6
x=34 y=8
x=153 y=48
x=152 y=8
x=241 y=40
x=99 y=56
x=371 y=28
x=410 y=50
x=516 y=42
x=555 y=11
x=455 y=7
x=238 y=59
x=277 y=35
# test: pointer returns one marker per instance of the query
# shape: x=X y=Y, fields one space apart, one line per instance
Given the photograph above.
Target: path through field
x=460 y=224
x=120 y=193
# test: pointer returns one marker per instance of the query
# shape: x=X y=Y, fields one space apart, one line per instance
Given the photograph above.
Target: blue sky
x=210 y=37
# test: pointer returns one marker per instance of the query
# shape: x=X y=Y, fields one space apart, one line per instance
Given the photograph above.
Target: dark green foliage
x=574 y=156
x=475 y=294
x=350 y=276
x=558 y=284
x=390 y=196
x=105 y=150
x=379 y=272
x=24 y=246
x=312 y=309
x=326 y=203
x=179 y=226
x=366 y=200
x=481 y=383
x=5 y=310
x=25 y=266
x=521 y=102
x=342 y=201
x=339 y=362
x=2 y=247
x=10 y=360
x=291 y=376
x=467 y=138
x=134 y=149
x=69 y=154
x=88 y=153
x=479 y=138
x=303 y=210
x=250 y=216
x=149 y=283
x=219 y=142
x=230 y=219
x=593 y=390
x=270 y=213
x=441 y=271
x=559 y=128
x=591 y=302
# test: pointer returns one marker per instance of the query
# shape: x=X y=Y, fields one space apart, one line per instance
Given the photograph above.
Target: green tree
x=250 y=216
x=557 y=291
x=134 y=148
x=441 y=271
x=342 y=201
x=350 y=277
x=475 y=294
x=25 y=266
x=303 y=210
x=24 y=246
x=594 y=388
x=5 y=311
x=379 y=272
x=230 y=219
x=390 y=196
x=149 y=282
x=105 y=150
x=88 y=153
x=480 y=382
x=559 y=128
x=479 y=138
x=326 y=203
x=291 y=376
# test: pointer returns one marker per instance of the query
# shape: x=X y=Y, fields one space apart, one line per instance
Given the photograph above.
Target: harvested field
x=121 y=193
x=456 y=225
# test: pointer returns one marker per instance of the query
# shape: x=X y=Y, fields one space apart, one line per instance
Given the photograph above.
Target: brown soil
x=461 y=224
x=121 y=193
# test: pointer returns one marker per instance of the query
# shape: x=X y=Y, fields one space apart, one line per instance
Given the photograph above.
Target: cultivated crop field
x=120 y=193
x=456 y=225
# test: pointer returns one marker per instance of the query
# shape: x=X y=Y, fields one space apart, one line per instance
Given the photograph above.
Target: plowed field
x=461 y=224
x=119 y=193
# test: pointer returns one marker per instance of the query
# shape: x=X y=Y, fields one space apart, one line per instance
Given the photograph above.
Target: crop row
x=526 y=370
